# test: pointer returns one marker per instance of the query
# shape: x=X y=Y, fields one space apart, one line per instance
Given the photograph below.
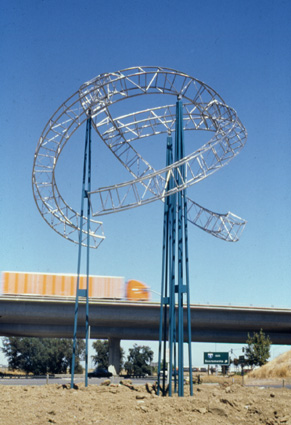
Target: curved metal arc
x=225 y=230
x=118 y=77
x=108 y=89
x=199 y=160
x=121 y=125
x=121 y=135
x=91 y=91
x=134 y=182
x=65 y=227
x=59 y=150
x=227 y=227
x=57 y=210
x=146 y=70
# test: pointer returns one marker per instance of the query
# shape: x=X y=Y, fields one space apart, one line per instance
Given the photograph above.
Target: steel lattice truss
x=204 y=110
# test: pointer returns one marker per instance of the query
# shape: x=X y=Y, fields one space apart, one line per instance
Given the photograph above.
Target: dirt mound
x=131 y=405
x=280 y=367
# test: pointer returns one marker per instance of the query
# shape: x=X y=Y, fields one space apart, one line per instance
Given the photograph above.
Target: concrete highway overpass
x=124 y=320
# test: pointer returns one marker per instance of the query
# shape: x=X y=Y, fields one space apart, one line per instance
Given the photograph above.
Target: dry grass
x=213 y=379
x=280 y=367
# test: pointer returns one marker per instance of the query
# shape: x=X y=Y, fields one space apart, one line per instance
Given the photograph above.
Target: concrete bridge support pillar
x=114 y=355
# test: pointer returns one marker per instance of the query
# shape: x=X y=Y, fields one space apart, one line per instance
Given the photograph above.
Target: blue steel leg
x=165 y=305
x=175 y=271
x=88 y=250
x=78 y=274
x=172 y=317
x=185 y=223
x=83 y=196
x=188 y=297
x=180 y=302
x=163 y=323
x=165 y=280
x=162 y=303
x=185 y=227
x=182 y=262
x=179 y=142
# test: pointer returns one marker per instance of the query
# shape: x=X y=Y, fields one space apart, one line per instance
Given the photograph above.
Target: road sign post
x=216 y=358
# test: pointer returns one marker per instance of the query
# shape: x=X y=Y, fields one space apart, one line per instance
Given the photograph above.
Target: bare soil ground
x=212 y=404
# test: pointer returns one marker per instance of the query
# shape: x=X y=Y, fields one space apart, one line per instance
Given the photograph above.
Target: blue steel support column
x=172 y=315
x=83 y=292
x=180 y=287
x=185 y=227
x=163 y=331
x=175 y=271
x=183 y=257
x=188 y=297
x=88 y=248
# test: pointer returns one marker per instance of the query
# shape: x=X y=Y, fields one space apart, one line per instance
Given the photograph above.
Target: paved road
x=115 y=380
x=67 y=380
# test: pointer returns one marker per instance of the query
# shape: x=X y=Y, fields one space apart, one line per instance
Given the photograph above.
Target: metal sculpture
x=202 y=109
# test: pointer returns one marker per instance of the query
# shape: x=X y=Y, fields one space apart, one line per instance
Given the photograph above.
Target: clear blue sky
x=242 y=49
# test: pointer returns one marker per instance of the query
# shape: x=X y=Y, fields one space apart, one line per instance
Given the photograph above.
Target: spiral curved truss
x=203 y=109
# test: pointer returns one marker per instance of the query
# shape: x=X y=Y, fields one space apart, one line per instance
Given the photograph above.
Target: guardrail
x=13 y=376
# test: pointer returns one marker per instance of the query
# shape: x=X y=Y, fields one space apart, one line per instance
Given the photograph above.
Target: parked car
x=99 y=372
x=162 y=374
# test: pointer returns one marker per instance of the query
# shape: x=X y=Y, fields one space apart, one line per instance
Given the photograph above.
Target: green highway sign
x=216 y=358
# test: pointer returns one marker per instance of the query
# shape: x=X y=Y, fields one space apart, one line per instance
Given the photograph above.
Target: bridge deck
x=53 y=317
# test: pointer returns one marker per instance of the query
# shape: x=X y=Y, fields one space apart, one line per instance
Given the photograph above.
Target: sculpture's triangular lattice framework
x=203 y=110
x=200 y=109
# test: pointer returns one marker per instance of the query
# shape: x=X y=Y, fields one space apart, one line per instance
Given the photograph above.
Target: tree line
x=40 y=356
x=54 y=355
